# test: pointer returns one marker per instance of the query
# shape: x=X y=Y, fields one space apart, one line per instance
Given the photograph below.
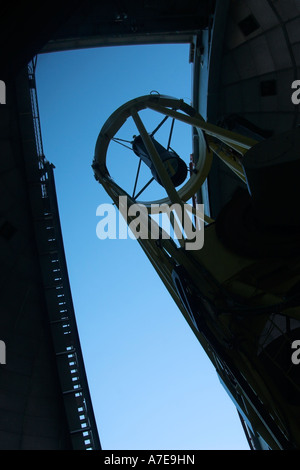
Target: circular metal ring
x=119 y=117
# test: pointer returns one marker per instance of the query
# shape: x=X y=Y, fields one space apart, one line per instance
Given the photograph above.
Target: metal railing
x=66 y=343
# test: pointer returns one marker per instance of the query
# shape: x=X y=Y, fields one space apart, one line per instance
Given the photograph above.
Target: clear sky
x=151 y=383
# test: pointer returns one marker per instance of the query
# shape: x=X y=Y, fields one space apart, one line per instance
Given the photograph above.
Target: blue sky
x=151 y=383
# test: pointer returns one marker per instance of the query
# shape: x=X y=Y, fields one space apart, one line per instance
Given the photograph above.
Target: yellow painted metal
x=216 y=275
x=231 y=160
x=197 y=121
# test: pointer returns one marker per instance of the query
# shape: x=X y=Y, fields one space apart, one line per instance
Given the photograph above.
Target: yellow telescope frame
x=210 y=276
